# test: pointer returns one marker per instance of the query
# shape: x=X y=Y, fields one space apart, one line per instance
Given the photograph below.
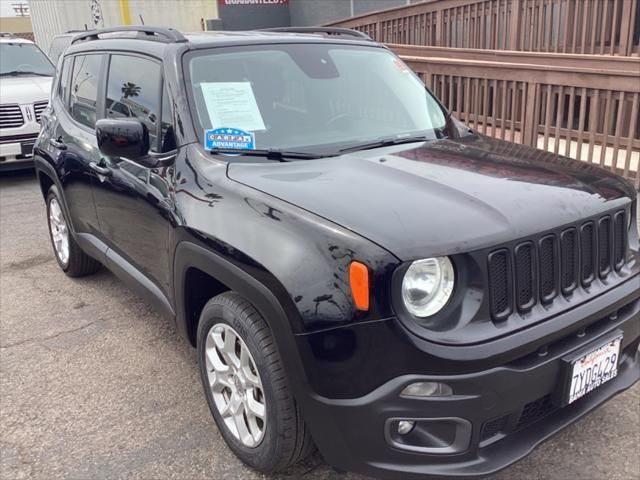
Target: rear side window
x=133 y=90
x=84 y=88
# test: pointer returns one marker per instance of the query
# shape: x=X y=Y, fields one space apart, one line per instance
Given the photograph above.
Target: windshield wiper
x=279 y=155
x=15 y=73
x=386 y=142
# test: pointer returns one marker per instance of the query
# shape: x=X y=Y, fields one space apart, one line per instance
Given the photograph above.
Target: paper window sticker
x=232 y=103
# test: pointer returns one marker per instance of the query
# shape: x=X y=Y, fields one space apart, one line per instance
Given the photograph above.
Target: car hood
x=442 y=197
x=24 y=89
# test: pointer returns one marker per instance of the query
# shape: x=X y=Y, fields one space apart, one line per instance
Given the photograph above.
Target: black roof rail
x=169 y=35
x=8 y=35
x=326 y=30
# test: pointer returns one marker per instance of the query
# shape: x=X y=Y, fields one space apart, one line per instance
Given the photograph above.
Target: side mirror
x=124 y=137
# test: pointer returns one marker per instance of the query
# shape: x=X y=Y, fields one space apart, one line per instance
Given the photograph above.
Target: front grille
x=525 y=291
x=620 y=240
x=38 y=108
x=499 y=282
x=11 y=116
x=555 y=264
x=604 y=246
x=534 y=411
x=587 y=253
x=569 y=256
x=548 y=268
x=25 y=138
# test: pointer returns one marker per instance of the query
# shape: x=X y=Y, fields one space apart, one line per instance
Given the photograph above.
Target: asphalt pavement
x=94 y=384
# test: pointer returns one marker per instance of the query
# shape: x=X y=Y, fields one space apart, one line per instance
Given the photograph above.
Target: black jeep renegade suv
x=358 y=270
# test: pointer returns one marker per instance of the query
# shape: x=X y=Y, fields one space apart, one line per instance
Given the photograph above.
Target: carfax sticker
x=229 y=138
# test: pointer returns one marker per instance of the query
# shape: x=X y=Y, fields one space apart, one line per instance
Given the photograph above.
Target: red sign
x=253 y=2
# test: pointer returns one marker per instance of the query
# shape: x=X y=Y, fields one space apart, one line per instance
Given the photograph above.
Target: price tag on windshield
x=232 y=103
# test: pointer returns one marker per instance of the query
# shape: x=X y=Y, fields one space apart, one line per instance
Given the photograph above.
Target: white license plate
x=594 y=368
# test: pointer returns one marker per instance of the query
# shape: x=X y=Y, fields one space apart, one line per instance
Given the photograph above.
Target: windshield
x=58 y=46
x=319 y=98
x=23 y=59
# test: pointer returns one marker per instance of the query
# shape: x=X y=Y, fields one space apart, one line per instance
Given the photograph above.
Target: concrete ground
x=94 y=384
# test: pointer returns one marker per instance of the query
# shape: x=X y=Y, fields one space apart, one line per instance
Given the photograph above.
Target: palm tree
x=130 y=90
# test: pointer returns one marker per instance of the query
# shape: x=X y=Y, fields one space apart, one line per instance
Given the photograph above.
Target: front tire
x=246 y=386
x=72 y=260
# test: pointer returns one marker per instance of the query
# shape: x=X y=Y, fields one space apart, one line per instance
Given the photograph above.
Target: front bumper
x=16 y=146
x=504 y=412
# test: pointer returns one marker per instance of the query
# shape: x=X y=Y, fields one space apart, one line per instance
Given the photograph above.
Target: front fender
x=302 y=256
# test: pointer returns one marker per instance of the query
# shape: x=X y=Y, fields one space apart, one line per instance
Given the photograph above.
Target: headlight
x=427 y=286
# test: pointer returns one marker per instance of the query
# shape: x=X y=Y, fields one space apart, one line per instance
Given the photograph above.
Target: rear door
x=72 y=141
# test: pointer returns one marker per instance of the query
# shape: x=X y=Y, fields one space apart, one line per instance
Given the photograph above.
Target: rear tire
x=72 y=260
x=284 y=438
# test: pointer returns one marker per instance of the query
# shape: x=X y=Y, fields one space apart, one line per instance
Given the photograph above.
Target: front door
x=134 y=203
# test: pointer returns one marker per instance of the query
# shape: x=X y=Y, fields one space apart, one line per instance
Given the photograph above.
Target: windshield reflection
x=23 y=59
x=312 y=98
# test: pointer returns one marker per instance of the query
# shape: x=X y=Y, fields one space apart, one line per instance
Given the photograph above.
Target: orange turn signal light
x=359 y=282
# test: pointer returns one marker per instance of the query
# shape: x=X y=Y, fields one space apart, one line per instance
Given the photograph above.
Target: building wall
x=317 y=12
x=15 y=24
x=51 y=18
x=238 y=16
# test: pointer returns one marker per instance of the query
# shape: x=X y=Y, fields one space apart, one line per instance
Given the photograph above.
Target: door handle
x=106 y=171
x=57 y=144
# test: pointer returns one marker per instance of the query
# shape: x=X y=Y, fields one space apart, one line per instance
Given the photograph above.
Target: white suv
x=25 y=85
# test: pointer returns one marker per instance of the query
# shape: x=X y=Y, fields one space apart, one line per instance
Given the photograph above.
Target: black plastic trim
x=139 y=282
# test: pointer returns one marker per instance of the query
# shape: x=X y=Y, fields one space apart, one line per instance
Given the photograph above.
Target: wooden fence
x=610 y=27
x=581 y=105
x=582 y=112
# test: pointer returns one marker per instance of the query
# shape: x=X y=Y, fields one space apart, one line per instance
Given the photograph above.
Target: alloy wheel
x=59 y=231
x=235 y=385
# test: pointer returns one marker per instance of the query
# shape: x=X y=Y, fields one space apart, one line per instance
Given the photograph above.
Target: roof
x=154 y=40
x=216 y=38
x=10 y=38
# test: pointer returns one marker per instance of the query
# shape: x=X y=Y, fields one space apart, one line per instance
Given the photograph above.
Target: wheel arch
x=190 y=257
x=48 y=177
x=45 y=181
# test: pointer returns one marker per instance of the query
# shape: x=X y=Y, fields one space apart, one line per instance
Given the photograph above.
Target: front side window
x=311 y=97
x=133 y=91
x=84 y=88
x=23 y=59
